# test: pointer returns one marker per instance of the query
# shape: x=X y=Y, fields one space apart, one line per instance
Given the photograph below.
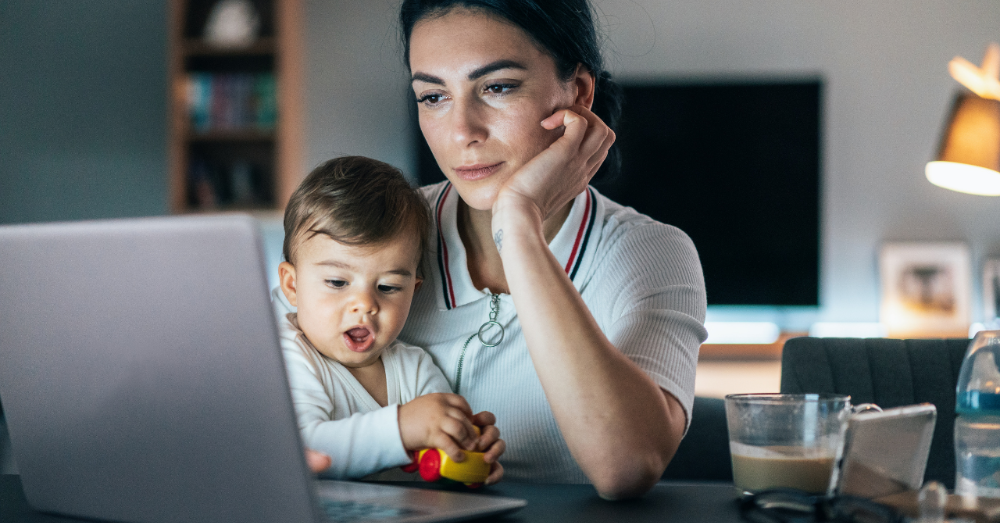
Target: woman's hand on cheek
x=561 y=171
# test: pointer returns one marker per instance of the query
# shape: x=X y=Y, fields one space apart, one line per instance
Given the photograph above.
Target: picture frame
x=926 y=289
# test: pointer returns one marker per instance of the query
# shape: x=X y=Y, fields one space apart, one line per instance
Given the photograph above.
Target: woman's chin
x=479 y=195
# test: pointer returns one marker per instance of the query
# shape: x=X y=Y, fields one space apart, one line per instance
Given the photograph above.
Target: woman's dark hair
x=564 y=28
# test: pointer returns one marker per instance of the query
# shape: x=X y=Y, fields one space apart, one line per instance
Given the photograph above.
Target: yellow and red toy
x=435 y=464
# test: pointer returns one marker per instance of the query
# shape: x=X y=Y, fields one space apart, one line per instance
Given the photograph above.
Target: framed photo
x=991 y=292
x=926 y=289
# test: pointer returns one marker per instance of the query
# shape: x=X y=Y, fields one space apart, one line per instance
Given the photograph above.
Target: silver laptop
x=142 y=380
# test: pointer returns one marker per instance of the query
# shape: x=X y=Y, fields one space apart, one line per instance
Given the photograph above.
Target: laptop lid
x=140 y=372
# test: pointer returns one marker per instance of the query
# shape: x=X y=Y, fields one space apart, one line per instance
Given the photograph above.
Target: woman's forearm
x=620 y=426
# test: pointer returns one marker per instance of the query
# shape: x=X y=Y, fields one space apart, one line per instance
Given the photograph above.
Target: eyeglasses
x=796 y=506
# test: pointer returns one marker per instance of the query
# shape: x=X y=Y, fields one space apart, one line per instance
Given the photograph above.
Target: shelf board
x=198 y=47
x=231 y=135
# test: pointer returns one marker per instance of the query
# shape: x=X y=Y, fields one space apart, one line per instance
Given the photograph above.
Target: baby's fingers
x=444 y=442
x=317 y=461
x=460 y=429
x=458 y=402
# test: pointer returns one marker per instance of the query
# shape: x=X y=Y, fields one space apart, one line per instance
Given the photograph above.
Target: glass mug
x=788 y=440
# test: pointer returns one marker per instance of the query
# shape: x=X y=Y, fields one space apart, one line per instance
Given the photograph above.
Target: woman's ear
x=286 y=279
x=586 y=85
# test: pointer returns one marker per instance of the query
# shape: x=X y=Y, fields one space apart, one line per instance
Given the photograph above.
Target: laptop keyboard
x=350 y=511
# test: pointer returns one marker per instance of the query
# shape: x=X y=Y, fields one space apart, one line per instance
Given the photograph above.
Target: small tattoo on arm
x=498 y=239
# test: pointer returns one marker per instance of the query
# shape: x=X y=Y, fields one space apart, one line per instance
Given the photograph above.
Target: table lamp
x=968 y=159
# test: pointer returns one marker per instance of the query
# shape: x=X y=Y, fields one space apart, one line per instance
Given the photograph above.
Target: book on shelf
x=231 y=101
x=266 y=100
x=236 y=183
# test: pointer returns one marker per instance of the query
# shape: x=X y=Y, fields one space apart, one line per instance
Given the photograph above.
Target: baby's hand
x=440 y=420
x=317 y=461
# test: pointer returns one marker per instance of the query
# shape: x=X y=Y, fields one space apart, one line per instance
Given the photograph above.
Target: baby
x=355 y=232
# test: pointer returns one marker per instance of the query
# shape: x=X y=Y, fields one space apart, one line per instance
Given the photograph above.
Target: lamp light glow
x=968 y=159
x=970 y=179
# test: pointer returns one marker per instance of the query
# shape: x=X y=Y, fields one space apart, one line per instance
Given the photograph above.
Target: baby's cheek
x=316 y=329
x=400 y=312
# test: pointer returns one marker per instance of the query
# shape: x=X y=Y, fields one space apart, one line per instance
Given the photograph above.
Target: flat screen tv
x=736 y=165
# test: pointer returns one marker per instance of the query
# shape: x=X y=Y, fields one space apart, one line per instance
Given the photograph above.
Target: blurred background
x=88 y=129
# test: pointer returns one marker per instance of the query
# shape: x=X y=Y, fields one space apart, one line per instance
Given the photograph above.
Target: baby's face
x=352 y=300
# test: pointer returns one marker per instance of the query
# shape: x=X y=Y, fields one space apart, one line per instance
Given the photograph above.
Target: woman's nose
x=468 y=123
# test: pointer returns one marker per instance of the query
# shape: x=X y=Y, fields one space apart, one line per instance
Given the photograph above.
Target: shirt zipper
x=494 y=310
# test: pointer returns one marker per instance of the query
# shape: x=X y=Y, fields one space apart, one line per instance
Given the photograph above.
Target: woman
x=601 y=309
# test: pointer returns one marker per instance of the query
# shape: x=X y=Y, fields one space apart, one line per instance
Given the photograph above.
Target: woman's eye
x=389 y=289
x=499 y=88
x=430 y=99
x=336 y=284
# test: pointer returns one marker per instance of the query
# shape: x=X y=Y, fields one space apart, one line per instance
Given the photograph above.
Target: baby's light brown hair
x=355 y=201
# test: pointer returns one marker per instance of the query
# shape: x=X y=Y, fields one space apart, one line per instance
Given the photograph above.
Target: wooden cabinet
x=236 y=140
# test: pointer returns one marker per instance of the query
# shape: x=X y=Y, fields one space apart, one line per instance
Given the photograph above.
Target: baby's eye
x=389 y=289
x=336 y=284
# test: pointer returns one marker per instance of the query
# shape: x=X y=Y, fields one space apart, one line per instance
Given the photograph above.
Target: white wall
x=887 y=92
x=356 y=84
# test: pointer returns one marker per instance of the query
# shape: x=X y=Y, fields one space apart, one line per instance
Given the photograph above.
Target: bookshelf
x=235 y=137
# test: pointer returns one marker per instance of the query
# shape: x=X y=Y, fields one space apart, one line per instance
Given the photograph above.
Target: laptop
x=142 y=380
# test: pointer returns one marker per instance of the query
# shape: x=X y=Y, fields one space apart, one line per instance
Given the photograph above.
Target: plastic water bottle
x=977 y=426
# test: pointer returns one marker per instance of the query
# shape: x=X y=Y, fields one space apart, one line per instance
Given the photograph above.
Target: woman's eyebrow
x=474 y=75
x=495 y=66
x=424 y=77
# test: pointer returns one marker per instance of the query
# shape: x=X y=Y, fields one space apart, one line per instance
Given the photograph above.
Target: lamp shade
x=969 y=157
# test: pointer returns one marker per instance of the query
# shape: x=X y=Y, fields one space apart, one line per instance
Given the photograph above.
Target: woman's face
x=483 y=87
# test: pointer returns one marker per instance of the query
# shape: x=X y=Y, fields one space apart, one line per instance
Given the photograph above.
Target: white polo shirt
x=641 y=280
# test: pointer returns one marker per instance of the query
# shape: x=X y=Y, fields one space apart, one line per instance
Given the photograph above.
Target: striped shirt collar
x=571 y=245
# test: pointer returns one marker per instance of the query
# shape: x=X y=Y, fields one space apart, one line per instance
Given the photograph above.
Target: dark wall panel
x=83 y=109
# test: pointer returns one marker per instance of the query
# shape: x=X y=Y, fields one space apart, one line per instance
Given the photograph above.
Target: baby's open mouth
x=359 y=339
